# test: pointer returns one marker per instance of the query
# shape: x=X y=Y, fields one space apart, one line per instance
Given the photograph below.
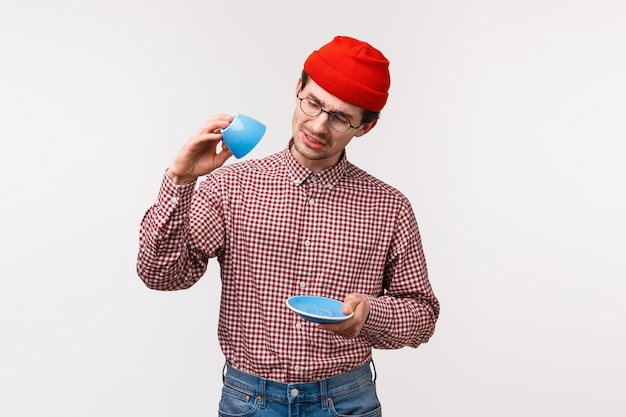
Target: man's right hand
x=199 y=156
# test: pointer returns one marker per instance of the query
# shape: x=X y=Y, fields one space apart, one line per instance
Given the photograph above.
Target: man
x=303 y=221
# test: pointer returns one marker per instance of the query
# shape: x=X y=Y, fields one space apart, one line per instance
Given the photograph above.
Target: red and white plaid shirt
x=278 y=230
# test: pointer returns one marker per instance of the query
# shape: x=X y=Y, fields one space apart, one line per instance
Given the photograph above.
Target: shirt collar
x=328 y=177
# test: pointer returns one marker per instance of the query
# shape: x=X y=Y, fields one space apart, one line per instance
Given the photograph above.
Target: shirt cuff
x=377 y=321
x=172 y=196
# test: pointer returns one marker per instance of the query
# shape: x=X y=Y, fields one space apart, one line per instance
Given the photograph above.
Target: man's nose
x=322 y=122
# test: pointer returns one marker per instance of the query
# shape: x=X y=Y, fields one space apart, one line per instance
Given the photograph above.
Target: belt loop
x=324 y=394
x=262 y=395
x=224 y=372
x=374 y=371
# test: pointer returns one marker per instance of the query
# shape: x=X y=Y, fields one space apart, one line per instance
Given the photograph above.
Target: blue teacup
x=242 y=134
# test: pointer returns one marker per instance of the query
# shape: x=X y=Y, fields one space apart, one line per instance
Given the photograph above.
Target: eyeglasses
x=337 y=121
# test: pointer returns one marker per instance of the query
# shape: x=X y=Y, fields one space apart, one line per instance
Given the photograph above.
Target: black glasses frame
x=331 y=115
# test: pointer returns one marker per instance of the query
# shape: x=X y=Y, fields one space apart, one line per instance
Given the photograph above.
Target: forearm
x=396 y=322
x=405 y=315
x=165 y=261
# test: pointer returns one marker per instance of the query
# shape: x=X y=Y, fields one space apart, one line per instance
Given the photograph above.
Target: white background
x=505 y=127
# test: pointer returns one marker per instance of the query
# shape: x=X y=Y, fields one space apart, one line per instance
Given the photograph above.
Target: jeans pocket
x=361 y=402
x=235 y=403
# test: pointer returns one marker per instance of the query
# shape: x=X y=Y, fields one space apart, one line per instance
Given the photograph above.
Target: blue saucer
x=317 y=309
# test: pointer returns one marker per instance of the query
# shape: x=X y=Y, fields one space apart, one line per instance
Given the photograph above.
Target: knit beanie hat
x=352 y=71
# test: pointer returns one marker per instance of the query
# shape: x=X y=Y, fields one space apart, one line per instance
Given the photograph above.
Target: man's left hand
x=351 y=328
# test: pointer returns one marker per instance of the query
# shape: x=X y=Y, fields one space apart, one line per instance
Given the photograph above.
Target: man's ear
x=366 y=128
x=299 y=85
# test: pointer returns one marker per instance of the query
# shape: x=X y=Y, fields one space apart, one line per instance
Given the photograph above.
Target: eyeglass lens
x=313 y=109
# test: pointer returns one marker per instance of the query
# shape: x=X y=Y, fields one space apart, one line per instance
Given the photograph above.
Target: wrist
x=179 y=179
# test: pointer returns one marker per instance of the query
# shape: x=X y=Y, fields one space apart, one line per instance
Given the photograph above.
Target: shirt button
x=311 y=202
x=302 y=284
x=297 y=367
x=174 y=200
x=298 y=325
x=294 y=392
x=307 y=243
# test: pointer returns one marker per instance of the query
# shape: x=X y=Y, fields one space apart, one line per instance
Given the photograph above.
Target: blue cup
x=242 y=134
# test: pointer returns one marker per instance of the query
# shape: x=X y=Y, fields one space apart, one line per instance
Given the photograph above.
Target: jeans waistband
x=267 y=389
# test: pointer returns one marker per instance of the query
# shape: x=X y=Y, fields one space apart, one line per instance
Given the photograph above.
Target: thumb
x=223 y=156
x=349 y=304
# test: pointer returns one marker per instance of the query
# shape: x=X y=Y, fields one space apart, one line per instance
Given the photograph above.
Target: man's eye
x=340 y=118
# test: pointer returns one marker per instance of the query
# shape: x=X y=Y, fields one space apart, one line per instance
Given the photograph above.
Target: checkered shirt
x=278 y=230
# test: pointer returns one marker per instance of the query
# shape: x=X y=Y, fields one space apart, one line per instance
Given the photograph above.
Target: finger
x=216 y=123
x=223 y=156
x=210 y=136
x=349 y=304
x=203 y=140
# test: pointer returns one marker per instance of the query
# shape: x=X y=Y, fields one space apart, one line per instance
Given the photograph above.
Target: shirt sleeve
x=406 y=313
x=165 y=261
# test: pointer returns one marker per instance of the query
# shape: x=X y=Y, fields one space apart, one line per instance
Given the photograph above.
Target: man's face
x=316 y=145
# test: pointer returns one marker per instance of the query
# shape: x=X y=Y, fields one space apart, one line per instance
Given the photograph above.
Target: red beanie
x=352 y=71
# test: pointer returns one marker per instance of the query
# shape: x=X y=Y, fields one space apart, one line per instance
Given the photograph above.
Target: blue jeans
x=350 y=394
